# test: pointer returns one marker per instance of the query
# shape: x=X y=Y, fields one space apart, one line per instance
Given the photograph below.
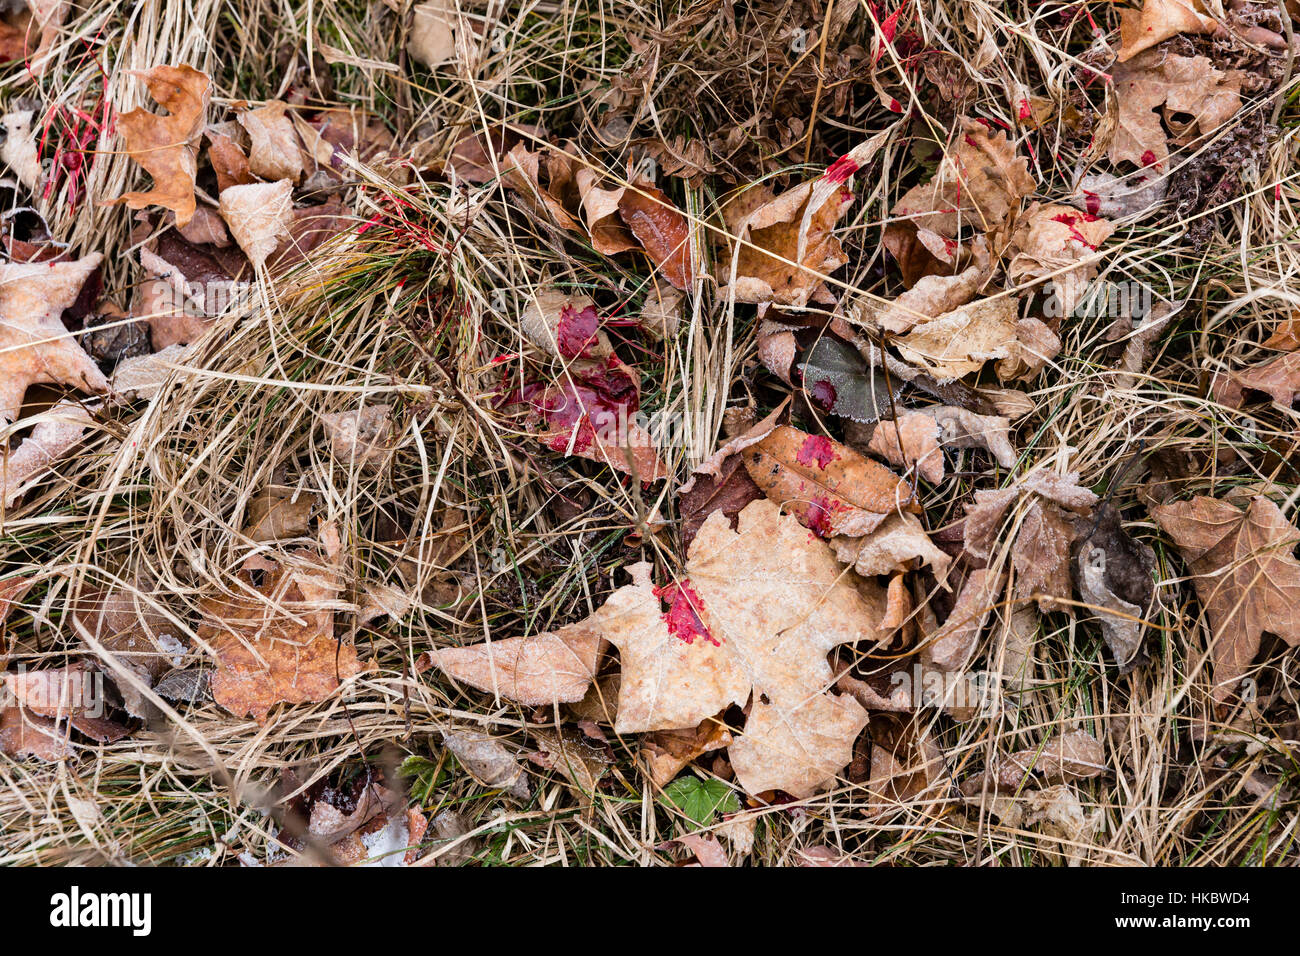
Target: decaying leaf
x=781 y=248
x=259 y=216
x=729 y=492
x=1113 y=572
x=950 y=648
x=666 y=753
x=56 y=432
x=35 y=347
x=910 y=441
x=487 y=761
x=274 y=637
x=961 y=341
x=1057 y=243
x=1041 y=554
x=840 y=381
x=541 y=669
x=279 y=512
x=1246 y=575
x=1279 y=378
x=363 y=436
x=899 y=544
x=984 y=517
x=959 y=428
x=167 y=145
x=1076 y=755
x=1187 y=86
x=830 y=487
x=275 y=152
x=929 y=298
x=432 y=38
x=19 y=151
x=23 y=734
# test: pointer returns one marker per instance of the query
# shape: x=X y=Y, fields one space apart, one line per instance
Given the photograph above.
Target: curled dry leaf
x=1041 y=554
x=961 y=341
x=275 y=152
x=540 y=669
x=929 y=298
x=432 y=38
x=782 y=248
x=229 y=161
x=1076 y=755
x=985 y=515
x=259 y=216
x=23 y=734
x=274 y=637
x=729 y=492
x=35 y=347
x=1057 y=243
x=959 y=428
x=56 y=432
x=1113 y=572
x=910 y=441
x=830 y=487
x=1245 y=573
x=487 y=761
x=1278 y=378
x=899 y=544
x=666 y=753
x=1182 y=85
x=662 y=230
x=1119 y=197
x=950 y=648
x=167 y=146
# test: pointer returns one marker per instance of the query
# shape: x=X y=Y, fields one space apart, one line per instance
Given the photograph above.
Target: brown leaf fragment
x=167 y=145
x=28 y=735
x=126 y=626
x=929 y=298
x=1286 y=337
x=12 y=590
x=706 y=849
x=1246 y=576
x=1057 y=243
x=609 y=235
x=274 y=641
x=910 y=441
x=538 y=670
x=1113 y=571
x=666 y=753
x=19 y=150
x=1076 y=755
x=899 y=544
x=662 y=231
x=1157 y=21
x=961 y=341
x=568 y=752
x=278 y=513
x=35 y=347
x=432 y=37
x=1182 y=85
x=831 y=488
x=275 y=151
x=486 y=760
x=959 y=428
x=951 y=646
x=1279 y=378
x=729 y=492
x=229 y=161
x=1041 y=555
x=545 y=182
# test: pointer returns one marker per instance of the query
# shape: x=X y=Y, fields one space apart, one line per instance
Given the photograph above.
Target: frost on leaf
x=167 y=145
x=274 y=636
x=57 y=431
x=35 y=348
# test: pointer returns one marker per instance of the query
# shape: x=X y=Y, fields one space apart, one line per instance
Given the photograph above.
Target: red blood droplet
x=840 y=170
x=817 y=518
x=816 y=450
x=1093 y=202
x=1024 y=111
x=824 y=394
x=1148 y=158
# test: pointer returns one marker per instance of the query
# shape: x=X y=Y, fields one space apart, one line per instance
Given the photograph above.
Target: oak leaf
x=1057 y=243
x=167 y=145
x=1157 y=21
x=1245 y=573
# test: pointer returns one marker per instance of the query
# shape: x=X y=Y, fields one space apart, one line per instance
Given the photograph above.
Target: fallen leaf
x=609 y=235
x=486 y=760
x=830 y=487
x=1157 y=21
x=929 y=298
x=1286 y=337
x=1119 y=197
x=167 y=146
x=278 y=513
x=27 y=735
x=274 y=640
x=959 y=428
x=124 y=625
x=839 y=380
x=229 y=162
x=569 y=753
x=662 y=230
x=949 y=648
x=57 y=431
x=275 y=152
x=1076 y=755
x=910 y=441
x=1113 y=572
x=35 y=347
x=706 y=849
x=1279 y=378
x=1181 y=85
x=758 y=610
x=432 y=38
x=729 y=493
x=19 y=150
x=899 y=544
x=1246 y=576
x=960 y=342
x=363 y=436
x=259 y=216
x=1041 y=554
x=666 y=753
x=1057 y=243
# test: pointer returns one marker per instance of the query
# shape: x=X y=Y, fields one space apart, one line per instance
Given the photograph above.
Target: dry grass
x=160 y=493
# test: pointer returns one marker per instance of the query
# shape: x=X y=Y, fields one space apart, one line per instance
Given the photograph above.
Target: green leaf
x=699 y=800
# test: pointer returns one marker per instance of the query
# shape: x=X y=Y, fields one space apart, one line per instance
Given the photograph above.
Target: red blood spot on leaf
x=824 y=394
x=1024 y=112
x=576 y=331
x=1148 y=158
x=682 y=616
x=840 y=170
x=816 y=450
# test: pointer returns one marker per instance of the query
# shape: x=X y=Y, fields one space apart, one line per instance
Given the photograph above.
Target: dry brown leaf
x=275 y=152
x=609 y=235
x=912 y=440
x=279 y=512
x=950 y=648
x=432 y=39
x=546 y=182
x=1182 y=85
x=1036 y=345
x=961 y=341
x=662 y=230
x=35 y=347
x=167 y=146
x=259 y=216
x=1076 y=755
x=275 y=641
x=487 y=761
x=1057 y=243
x=1286 y=337
x=56 y=432
x=929 y=298
x=229 y=162
x=759 y=610
x=540 y=669
x=126 y=626
x=666 y=753
x=1279 y=378
x=1245 y=572
x=19 y=150
x=959 y=428
x=28 y=735
x=1041 y=554
x=781 y=248
x=985 y=515
x=899 y=544
x=830 y=487
x=905 y=762
x=1157 y=21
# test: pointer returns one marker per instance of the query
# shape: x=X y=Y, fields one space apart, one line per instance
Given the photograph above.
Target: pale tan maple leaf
x=769 y=601
x=274 y=151
x=35 y=348
x=1245 y=573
